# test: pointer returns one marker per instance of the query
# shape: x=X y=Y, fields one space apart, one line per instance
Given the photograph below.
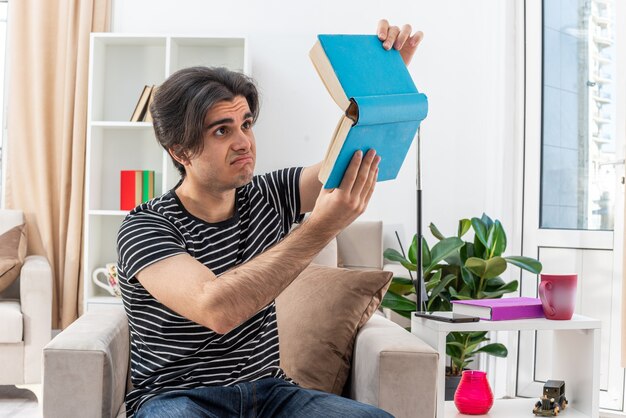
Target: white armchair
x=86 y=365
x=25 y=315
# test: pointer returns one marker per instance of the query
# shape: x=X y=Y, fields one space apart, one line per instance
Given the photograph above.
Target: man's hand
x=337 y=208
x=400 y=39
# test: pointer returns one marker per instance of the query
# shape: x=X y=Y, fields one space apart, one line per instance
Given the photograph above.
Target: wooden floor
x=19 y=402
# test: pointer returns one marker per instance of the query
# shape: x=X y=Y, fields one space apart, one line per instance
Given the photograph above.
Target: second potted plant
x=456 y=269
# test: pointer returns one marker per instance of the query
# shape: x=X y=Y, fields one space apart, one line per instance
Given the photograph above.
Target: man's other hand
x=337 y=208
x=400 y=39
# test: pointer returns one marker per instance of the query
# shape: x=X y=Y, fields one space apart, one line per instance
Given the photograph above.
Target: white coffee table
x=575 y=359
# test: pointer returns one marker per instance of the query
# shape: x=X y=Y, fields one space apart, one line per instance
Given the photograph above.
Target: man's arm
x=223 y=304
x=310 y=187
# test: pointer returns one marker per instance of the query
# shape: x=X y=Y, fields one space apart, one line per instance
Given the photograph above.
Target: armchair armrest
x=36 y=305
x=85 y=366
x=394 y=370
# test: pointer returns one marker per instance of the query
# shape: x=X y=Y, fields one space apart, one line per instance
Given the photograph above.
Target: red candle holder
x=473 y=396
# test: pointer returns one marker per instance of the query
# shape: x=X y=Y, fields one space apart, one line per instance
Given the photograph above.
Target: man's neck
x=209 y=205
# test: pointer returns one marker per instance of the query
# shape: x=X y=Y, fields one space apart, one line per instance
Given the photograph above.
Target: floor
x=19 y=402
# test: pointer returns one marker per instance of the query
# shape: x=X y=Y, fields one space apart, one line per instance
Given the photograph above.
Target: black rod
x=419 y=280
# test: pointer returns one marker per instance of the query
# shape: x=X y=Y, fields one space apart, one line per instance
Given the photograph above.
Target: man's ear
x=181 y=157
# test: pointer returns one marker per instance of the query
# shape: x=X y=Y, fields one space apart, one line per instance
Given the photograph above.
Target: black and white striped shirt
x=169 y=351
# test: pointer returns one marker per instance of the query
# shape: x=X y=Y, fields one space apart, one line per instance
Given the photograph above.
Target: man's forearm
x=241 y=292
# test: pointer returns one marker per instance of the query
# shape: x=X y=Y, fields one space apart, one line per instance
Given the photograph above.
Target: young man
x=201 y=265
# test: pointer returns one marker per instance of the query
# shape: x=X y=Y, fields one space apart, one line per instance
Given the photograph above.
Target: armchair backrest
x=8 y=219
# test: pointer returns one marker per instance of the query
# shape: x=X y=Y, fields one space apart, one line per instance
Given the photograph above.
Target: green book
x=147 y=185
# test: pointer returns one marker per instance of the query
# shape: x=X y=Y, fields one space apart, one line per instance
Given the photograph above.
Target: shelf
x=125 y=125
x=578 y=368
x=511 y=408
x=111 y=300
x=534 y=324
x=97 y=212
x=120 y=65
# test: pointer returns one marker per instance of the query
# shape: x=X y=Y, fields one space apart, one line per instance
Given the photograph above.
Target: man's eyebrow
x=248 y=115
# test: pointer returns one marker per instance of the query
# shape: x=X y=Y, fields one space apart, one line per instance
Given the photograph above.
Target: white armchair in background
x=25 y=315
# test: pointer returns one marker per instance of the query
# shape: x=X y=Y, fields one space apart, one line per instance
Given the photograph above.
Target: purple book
x=500 y=309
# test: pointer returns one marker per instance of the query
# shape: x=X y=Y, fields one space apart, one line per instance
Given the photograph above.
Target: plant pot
x=452 y=382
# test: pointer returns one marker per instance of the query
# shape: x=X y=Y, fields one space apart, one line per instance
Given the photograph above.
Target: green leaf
x=434 y=280
x=458 y=296
x=435 y=231
x=456 y=344
x=393 y=255
x=495 y=349
x=494 y=283
x=401 y=289
x=397 y=303
x=413 y=250
x=486 y=220
x=425 y=253
x=478 y=249
x=464 y=226
x=453 y=351
x=480 y=231
x=507 y=288
x=495 y=267
x=409 y=266
x=402 y=281
x=491 y=236
x=468 y=278
x=476 y=265
x=500 y=240
x=443 y=284
x=526 y=263
x=443 y=249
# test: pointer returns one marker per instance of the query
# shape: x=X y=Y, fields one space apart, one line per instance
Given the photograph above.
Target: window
x=578 y=118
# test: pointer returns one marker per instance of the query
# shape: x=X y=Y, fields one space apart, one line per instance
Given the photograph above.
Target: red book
x=500 y=309
x=127 y=189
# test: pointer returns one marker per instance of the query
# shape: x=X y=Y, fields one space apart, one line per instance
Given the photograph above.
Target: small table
x=578 y=367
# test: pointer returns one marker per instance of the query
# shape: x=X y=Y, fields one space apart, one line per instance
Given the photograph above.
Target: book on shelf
x=382 y=107
x=136 y=187
x=500 y=309
x=142 y=103
x=148 y=115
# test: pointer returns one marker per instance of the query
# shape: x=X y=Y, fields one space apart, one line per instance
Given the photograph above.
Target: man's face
x=229 y=154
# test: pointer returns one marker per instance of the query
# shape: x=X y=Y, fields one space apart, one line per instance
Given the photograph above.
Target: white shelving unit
x=119 y=66
x=579 y=367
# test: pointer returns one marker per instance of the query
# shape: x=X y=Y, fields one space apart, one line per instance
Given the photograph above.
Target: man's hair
x=182 y=101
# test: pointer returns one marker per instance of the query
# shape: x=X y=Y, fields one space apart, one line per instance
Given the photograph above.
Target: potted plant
x=455 y=269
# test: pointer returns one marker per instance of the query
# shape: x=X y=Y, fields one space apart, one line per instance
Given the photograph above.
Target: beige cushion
x=319 y=315
x=11 y=322
x=12 y=254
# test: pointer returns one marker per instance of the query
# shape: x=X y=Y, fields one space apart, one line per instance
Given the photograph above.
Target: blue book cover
x=383 y=108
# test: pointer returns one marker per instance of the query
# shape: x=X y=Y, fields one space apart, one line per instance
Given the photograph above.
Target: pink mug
x=558 y=295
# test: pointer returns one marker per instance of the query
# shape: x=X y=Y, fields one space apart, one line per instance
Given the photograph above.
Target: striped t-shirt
x=169 y=351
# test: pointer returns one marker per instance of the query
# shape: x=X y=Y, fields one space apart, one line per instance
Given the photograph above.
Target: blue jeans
x=264 y=398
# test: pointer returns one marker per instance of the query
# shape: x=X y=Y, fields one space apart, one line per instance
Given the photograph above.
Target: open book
x=382 y=107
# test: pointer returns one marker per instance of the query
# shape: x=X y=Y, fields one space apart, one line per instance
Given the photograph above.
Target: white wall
x=465 y=66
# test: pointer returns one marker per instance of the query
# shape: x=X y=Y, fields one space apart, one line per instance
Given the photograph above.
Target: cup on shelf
x=106 y=278
x=558 y=295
